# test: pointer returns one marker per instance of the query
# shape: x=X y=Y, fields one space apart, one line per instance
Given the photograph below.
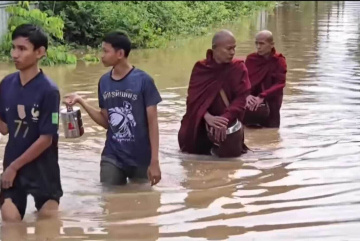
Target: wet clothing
x=30 y=111
x=111 y=174
x=127 y=143
x=268 y=79
x=206 y=81
x=19 y=195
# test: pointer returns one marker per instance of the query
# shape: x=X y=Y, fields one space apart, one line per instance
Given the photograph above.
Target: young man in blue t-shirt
x=128 y=101
x=29 y=112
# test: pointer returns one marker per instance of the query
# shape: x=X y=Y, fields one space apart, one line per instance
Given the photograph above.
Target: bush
x=83 y=22
x=20 y=14
x=58 y=55
x=149 y=24
x=90 y=58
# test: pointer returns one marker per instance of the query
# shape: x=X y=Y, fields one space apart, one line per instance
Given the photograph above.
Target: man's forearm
x=3 y=128
x=154 y=137
x=95 y=114
x=35 y=150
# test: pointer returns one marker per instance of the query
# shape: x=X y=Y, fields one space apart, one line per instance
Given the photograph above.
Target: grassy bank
x=149 y=24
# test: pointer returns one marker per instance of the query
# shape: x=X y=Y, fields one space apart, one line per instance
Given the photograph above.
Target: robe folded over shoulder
x=206 y=81
x=268 y=78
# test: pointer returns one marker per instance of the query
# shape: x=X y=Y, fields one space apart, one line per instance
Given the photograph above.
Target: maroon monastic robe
x=207 y=79
x=268 y=79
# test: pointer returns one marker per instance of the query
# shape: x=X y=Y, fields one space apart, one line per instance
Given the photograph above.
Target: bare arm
x=99 y=116
x=35 y=150
x=3 y=128
x=154 y=172
x=38 y=147
x=153 y=132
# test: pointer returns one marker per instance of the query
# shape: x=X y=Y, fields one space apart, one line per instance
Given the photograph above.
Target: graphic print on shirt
x=122 y=123
x=35 y=112
x=21 y=123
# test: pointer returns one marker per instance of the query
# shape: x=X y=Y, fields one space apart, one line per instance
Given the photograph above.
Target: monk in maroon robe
x=204 y=104
x=267 y=73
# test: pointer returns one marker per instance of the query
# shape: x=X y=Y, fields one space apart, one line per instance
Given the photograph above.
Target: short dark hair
x=118 y=40
x=33 y=33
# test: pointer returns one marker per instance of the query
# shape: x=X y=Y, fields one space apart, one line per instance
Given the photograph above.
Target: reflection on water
x=300 y=182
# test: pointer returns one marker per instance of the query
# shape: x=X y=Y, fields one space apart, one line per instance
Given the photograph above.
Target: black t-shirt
x=30 y=111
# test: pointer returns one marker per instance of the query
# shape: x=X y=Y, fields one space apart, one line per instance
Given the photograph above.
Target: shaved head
x=222 y=36
x=264 y=42
x=266 y=35
x=223 y=46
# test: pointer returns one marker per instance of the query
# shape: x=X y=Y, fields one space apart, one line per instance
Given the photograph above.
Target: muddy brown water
x=301 y=182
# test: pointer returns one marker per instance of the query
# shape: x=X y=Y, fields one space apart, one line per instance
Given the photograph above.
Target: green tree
x=53 y=26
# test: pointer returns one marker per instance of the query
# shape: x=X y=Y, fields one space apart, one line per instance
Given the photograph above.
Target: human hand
x=154 y=172
x=216 y=121
x=72 y=99
x=7 y=178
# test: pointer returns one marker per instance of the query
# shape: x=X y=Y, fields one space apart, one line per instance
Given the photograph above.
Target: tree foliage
x=52 y=25
x=148 y=23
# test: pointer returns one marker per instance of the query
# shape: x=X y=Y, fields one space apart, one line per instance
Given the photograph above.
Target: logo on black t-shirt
x=21 y=111
x=35 y=113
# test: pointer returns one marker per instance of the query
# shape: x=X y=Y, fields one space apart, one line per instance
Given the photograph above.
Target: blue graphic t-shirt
x=127 y=143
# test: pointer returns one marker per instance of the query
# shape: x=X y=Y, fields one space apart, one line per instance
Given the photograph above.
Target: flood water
x=301 y=182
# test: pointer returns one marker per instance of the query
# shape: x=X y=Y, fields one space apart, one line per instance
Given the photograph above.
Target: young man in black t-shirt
x=29 y=112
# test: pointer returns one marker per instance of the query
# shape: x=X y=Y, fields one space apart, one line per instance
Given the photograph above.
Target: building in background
x=4 y=16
